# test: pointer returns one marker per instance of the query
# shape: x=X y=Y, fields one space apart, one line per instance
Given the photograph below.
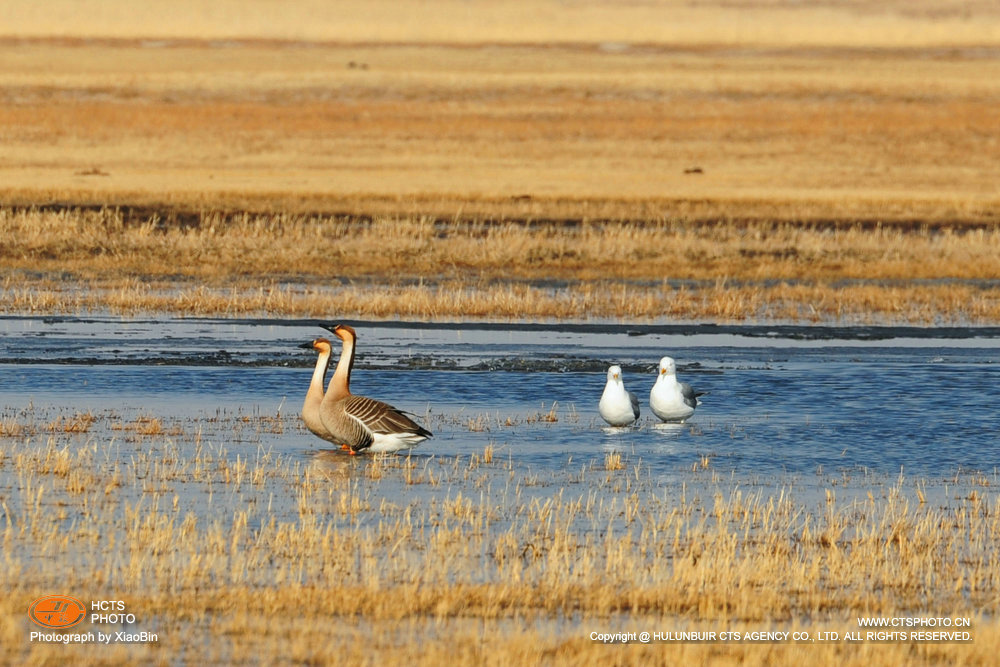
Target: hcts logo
x=113 y=606
x=57 y=612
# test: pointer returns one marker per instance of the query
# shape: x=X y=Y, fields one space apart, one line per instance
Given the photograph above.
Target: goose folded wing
x=379 y=417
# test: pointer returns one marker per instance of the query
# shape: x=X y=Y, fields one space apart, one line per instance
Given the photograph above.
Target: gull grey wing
x=690 y=395
x=635 y=404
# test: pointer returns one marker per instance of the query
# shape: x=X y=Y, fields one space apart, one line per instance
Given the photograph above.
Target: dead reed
x=252 y=556
x=310 y=266
x=89 y=245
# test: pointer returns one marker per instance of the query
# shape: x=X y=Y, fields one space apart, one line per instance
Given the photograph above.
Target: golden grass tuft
x=79 y=423
x=11 y=428
x=145 y=425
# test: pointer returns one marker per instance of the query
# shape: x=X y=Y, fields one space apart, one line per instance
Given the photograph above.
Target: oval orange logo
x=57 y=611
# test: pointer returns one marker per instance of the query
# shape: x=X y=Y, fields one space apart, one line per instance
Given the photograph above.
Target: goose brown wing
x=381 y=417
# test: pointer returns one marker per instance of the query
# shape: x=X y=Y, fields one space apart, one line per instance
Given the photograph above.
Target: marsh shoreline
x=416 y=268
x=108 y=340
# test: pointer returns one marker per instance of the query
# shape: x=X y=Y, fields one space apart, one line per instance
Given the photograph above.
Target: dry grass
x=688 y=119
x=12 y=428
x=685 y=119
x=285 y=265
x=79 y=423
x=215 y=249
x=896 y=23
x=293 y=558
x=613 y=461
x=454 y=300
x=801 y=122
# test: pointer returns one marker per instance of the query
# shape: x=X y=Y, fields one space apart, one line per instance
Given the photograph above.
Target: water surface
x=780 y=400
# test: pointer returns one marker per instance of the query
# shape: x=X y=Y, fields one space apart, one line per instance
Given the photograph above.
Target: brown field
x=539 y=131
x=679 y=116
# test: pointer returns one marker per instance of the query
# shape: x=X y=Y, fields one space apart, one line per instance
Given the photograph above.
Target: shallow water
x=781 y=400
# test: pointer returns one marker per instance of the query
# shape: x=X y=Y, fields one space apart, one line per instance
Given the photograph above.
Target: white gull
x=670 y=400
x=618 y=406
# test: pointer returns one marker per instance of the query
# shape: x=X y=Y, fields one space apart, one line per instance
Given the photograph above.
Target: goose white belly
x=394 y=442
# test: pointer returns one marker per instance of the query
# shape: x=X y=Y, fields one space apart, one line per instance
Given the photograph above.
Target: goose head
x=321 y=345
x=342 y=331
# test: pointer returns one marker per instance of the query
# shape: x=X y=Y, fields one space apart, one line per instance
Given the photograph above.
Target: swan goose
x=359 y=422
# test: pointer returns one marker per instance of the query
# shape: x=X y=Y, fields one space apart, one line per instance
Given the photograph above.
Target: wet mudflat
x=797 y=409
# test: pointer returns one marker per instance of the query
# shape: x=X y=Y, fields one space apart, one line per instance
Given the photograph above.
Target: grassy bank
x=748 y=140
x=315 y=266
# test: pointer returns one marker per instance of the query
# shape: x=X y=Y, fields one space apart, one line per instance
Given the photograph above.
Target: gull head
x=615 y=374
x=667 y=366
